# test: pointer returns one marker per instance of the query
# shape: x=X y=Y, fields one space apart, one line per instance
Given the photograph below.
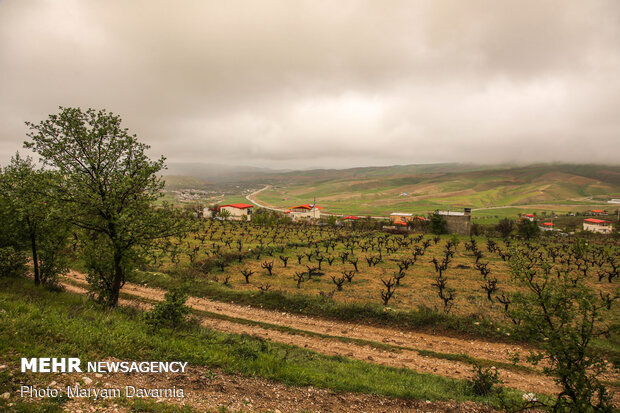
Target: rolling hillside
x=184 y=182
x=378 y=191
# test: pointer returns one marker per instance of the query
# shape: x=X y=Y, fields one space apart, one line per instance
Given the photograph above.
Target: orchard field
x=409 y=271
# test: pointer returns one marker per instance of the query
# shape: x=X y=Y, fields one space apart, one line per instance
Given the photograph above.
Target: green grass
x=62 y=324
x=234 y=199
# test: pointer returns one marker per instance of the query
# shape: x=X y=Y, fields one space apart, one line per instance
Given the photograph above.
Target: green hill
x=184 y=182
x=422 y=188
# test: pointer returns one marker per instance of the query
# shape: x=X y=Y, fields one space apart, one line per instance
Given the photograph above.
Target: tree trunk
x=35 y=258
x=117 y=281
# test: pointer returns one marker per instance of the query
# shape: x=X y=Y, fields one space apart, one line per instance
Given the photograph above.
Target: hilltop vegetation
x=379 y=191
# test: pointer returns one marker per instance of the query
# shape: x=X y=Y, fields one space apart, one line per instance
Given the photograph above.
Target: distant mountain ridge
x=215 y=173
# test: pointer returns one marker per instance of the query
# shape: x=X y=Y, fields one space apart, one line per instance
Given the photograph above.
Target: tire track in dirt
x=528 y=382
x=422 y=341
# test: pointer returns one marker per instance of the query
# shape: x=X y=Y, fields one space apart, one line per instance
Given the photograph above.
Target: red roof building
x=352 y=217
x=237 y=206
x=547 y=226
x=596 y=221
x=600 y=226
x=237 y=212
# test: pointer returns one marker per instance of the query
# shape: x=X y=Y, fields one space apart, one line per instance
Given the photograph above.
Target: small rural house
x=457 y=222
x=597 y=212
x=306 y=211
x=547 y=226
x=597 y=225
x=529 y=217
x=349 y=219
x=237 y=212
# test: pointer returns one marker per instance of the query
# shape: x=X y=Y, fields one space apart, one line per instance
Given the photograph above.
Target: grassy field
x=60 y=324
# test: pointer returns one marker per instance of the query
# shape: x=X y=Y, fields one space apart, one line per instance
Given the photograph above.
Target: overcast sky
x=288 y=83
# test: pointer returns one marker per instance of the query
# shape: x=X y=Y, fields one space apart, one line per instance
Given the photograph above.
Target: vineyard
x=449 y=274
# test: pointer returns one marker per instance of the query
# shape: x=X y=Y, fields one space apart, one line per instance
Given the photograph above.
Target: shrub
x=484 y=380
x=169 y=313
x=505 y=227
x=12 y=262
x=528 y=229
x=438 y=224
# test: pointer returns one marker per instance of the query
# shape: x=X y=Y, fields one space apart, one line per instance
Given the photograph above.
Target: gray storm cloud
x=324 y=83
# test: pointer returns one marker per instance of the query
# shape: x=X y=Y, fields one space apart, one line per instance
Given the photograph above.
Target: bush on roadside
x=171 y=312
x=484 y=380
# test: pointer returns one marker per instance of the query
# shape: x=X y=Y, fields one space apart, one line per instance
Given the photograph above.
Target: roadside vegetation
x=39 y=324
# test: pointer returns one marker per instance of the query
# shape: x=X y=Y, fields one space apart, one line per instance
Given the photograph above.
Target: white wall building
x=237 y=212
x=307 y=211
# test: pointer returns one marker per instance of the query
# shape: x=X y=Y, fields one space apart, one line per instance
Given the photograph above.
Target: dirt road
x=404 y=342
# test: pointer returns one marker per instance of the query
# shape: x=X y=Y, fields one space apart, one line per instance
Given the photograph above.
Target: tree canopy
x=109 y=185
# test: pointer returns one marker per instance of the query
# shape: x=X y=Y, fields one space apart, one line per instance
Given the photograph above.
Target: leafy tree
x=563 y=315
x=34 y=216
x=108 y=186
x=528 y=229
x=437 y=224
x=505 y=227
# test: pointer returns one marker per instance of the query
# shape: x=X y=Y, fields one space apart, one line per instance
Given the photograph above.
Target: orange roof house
x=597 y=212
x=305 y=211
x=547 y=226
x=307 y=207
